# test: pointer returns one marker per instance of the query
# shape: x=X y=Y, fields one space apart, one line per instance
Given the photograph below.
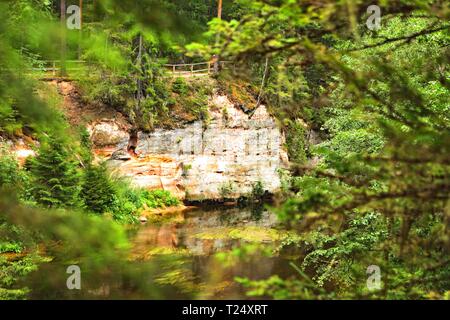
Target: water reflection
x=201 y=233
x=174 y=257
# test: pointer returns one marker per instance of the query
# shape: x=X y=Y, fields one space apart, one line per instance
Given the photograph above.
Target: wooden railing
x=194 y=69
x=55 y=67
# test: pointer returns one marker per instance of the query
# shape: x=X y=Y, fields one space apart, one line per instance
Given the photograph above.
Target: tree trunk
x=263 y=81
x=63 y=39
x=219 y=10
x=139 y=78
x=137 y=114
x=81 y=29
x=217 y=57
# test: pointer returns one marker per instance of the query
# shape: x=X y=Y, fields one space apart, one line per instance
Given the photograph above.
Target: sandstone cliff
x=223 y=157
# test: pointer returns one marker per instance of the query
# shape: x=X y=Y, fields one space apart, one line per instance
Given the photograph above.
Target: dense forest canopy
x=371 y=189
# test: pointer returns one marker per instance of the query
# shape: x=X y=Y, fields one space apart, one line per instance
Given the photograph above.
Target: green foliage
x=331 y=256
x=12 y=177
x=11 y=273
x=192 y=99
x=99 y=246
x=97 y=192
x=10 y=247
x=30 y=34
x=377 y=196
x=129 y=200
x=118 y=90
x=158 y=199
x=55 y=176
x=186 y=168
x=180 y=86
x=258 y=190
x=122 y=202
x=296 y=142
x=10 y=174
x=346 y=143
x=382 y=173
x=227 y=189
x=8 y=119
x=85 y=146
x=27 y=29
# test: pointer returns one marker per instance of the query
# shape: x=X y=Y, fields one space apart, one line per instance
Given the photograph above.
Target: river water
x=217 y=245
x=189 y=254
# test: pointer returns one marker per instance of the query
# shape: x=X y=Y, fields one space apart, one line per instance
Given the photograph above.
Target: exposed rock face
x=226 y=157
x=107 y=133
x=20 y=148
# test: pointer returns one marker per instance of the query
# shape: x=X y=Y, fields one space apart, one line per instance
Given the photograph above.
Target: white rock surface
x=196 y=162
x=107 y=133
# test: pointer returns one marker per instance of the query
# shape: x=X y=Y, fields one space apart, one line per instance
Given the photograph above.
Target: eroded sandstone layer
x=223 y=157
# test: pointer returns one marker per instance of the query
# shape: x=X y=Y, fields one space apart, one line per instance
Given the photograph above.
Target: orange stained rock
x=155 y=158
x=104 y=152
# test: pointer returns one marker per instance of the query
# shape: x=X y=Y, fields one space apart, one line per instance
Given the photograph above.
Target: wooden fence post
x=192 y=70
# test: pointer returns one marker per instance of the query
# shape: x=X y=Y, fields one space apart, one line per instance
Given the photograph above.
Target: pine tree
x=98 y=192
x=56 y=180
